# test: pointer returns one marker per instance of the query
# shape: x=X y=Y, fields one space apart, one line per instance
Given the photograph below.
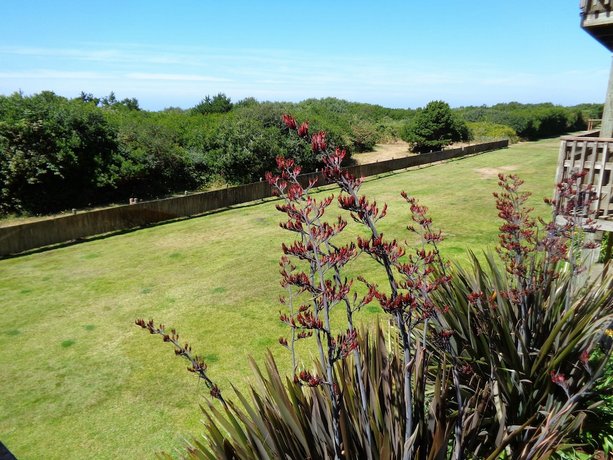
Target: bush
x=485 y=132
x=364 y=136
x=154 y=161
x=54 y=153
x=433 y=128
x=534 y=121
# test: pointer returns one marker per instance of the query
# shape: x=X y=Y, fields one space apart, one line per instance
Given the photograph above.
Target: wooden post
x=589 y=257
x=607 y=255
x=606 y=130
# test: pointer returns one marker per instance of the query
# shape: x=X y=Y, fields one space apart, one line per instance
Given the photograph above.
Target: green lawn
x=79 y=380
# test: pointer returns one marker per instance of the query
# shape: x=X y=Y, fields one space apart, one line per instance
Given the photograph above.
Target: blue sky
x=388 y=52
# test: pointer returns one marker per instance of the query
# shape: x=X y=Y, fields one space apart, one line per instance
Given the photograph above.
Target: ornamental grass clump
x=497 y=359
x=534 y=343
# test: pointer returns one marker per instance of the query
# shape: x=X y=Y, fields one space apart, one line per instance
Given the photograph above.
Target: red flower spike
x=289 y=121
x=307 y=378
x=558 y=378
x=215 y=392
x=446 y=333
x=303 y=130
x=475 y=297
x=308 y=321
x=348 y=343
x=284 y=318
x=467 y=369
x=304 y=334
x=585 y=357
x=318 y=142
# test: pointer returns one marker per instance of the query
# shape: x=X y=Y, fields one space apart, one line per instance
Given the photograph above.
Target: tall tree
x=216 y=104
x=434 y=127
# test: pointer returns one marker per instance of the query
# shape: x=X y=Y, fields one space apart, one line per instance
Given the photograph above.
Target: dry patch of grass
x=390 y=151
x=383 y=152
x=489 y=173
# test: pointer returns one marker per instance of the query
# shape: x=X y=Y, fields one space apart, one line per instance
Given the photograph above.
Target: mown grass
x=78 y=379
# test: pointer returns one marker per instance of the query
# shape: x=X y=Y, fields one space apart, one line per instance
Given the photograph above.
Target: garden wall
x=31 y=235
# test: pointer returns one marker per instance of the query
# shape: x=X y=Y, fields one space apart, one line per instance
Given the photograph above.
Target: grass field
x=79 y=380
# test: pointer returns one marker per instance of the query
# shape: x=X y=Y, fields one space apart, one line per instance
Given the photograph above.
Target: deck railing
x=597 y=20
x=595 y=6
x=594 y=157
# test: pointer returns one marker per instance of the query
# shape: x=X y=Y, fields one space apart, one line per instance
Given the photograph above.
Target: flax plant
x=532 y=341
x=324 y=290
x=497 y=360
x=411 y=280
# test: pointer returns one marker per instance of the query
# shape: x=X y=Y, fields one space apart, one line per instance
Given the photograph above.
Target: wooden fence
x=24 y=237
x=593 y=156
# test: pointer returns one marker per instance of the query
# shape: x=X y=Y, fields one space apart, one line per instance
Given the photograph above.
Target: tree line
x=58 y=153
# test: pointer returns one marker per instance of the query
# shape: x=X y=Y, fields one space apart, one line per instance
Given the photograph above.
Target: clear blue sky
x=397 y=53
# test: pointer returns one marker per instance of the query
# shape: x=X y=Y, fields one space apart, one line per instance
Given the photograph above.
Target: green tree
x=110 y=100
x=130 y=103
x=434 y=127
x=54 y=153
x=89 y=97
x=216 y=104
x=533 y=121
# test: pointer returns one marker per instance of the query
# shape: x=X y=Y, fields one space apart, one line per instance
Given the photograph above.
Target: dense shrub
x=484 y=131
x=54 y=153
x=364 y=135
x=243 y=150
x=534 y=121
x=59 y=153
x=434 y=127
x=154 y=160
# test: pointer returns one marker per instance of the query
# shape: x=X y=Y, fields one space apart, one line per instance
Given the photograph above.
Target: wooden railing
x=595 y=6
x=597 y=20
x=594 y=157
x=593 y=123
